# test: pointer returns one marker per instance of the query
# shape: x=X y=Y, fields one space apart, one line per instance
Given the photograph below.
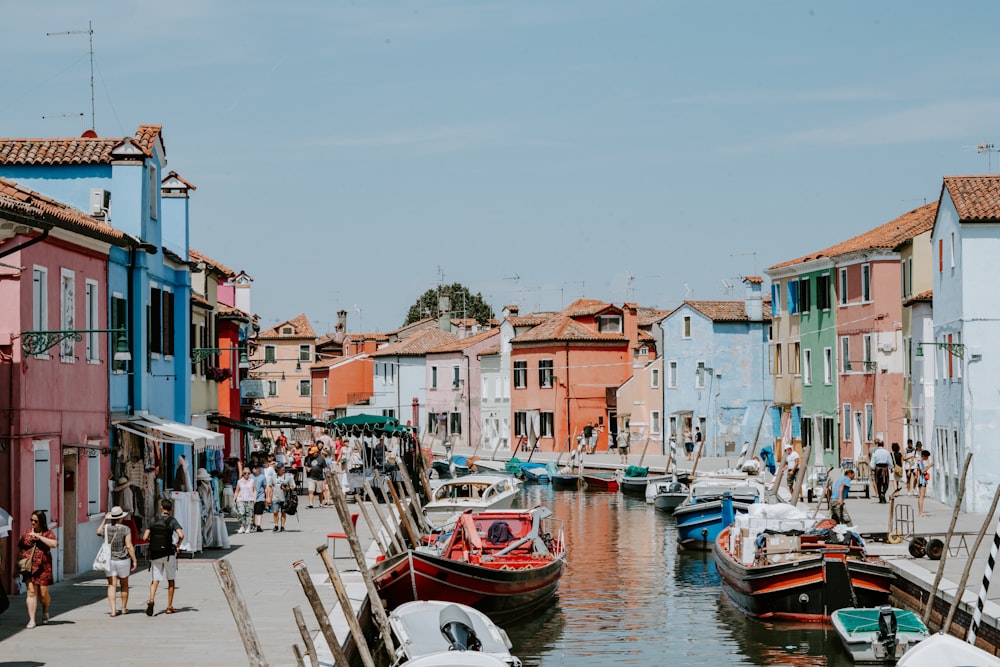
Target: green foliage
x=463 y=304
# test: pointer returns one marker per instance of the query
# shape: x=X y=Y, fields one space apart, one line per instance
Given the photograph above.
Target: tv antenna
x=90 y=34
x=727 y=287
x=66 y=115
x=629 y=290
x=989 y=149
x=747 y=254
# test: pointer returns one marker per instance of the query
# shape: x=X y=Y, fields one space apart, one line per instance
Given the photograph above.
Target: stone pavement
x=203 y=632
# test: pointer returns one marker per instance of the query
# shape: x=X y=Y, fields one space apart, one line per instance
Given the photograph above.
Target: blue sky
x=351 y=155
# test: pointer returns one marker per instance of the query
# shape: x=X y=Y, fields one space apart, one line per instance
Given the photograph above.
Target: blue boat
x=700 y=517
x=534 y=472
x=453 y=467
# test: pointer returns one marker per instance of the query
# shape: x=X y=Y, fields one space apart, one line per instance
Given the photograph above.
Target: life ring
x=895 y=537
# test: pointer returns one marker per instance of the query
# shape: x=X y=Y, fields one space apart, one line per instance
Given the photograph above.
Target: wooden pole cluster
x=302 y=572
x=231 y=589
x=968 y=567
x=947 y=541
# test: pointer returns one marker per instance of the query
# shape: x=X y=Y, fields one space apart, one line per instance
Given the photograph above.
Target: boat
x=565 y=480
x=699 y=516
x=878 y=635
x=667 y=495
x=534 y=472
x=940 y=649
x=637 y=485
x=451 y=467
x=802 y=572
x=502 y=562
x=434 y=632
x=600 y=481
x=478 y=492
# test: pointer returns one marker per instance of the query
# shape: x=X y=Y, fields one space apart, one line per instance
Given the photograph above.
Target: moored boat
x=534 y=472
x=451 y=467
x=699 y=516
x=800 y=574
x=941 y=649
x=502 y=562
x=433 y=632
x=666 y=496
x=565 y=480
x=600 y=481
x=637 y=485
x=478 y=492
x=879 y=635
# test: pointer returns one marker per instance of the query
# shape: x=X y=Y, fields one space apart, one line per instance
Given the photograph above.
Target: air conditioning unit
x=100 y=202
x=887 y=348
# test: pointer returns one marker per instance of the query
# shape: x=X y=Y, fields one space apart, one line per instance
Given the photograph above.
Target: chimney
x=510 y=311
x=444 y=313
x=754 y=303
x=341 y=321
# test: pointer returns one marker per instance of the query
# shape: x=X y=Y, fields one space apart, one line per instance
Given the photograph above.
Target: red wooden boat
x=600 y=481
x=501 y=562
x=800 y=577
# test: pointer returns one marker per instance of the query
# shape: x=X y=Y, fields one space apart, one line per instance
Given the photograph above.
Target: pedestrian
x=230 y=475
x=315 y=475
x=284 y=484
x=897 y=467
x=881 y=462
x=260 y=497
x=910 y=467
x=623 y=446
x=246 y=495
x=297 y=456
x=163 y=553
x=792 y=460
x=924 y=465
x=123 y=560
x=840 y=492
x=688 y=444
x=588 y=434
x=697 y=440
x=37 y=544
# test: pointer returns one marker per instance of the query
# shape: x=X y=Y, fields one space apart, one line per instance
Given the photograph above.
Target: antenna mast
x=989 y=149
x=90 y=34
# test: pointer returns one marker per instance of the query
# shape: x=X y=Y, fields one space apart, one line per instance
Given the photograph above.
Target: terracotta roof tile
x=650 y=316
x=200 y=301
x=530 y=320
x=198 y=257
x=564 y=328
x=300 y=324
x=728 y=311
x=889 y=235
x=416 y=345
x=378 y=337
x=584 y=307
x=493 y=349
x=229 y=312
x=923 y=296
x=20 y=201
x=976 y=198
x=467 y=342
x=75 y=150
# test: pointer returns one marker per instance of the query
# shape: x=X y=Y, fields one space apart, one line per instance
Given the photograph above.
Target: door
x=70 y=504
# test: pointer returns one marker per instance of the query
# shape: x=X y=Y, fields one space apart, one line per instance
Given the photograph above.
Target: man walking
x=881 y=461
x=163 y=553
x=841 y=490
x=283 y=485
x=261 y=489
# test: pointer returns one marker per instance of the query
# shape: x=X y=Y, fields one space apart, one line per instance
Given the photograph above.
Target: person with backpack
x=163 y=553
x=283 y=486
x=315 y=475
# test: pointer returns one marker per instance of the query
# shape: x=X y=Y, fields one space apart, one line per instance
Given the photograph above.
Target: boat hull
x=699 y=524
x=668 y=502
x=858 y=631
x=565 y=481
x=636 y=486
x=807 y=589
x=501 y=594
x=595 y=482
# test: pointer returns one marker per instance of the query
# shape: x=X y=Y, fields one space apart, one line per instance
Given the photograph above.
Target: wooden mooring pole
x=307 y=639
x=302 y=572
x=947 y=541
x=231 y=589
x=346 y=607
x=968 y=567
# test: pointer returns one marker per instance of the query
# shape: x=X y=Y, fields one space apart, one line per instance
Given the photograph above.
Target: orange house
x=566 y=370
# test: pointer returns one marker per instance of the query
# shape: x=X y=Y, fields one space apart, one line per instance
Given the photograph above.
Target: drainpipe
x=567 y=394
x=468 y=397
x=30 y=242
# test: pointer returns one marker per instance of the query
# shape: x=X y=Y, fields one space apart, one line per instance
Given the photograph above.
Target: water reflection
x=629 y=597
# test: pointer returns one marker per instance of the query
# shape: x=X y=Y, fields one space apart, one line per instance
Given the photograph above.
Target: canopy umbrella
x=365 y=420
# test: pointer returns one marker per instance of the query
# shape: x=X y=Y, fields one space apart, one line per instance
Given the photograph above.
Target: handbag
x=24 y=564
x=102 y=561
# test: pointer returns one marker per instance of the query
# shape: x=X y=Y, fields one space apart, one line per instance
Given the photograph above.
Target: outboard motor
x=456 y=626
x=887 y=631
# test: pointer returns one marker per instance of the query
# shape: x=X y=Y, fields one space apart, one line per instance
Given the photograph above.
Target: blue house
x=716 y=377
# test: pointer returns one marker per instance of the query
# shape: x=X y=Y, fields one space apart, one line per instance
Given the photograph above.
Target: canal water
x=629 y=597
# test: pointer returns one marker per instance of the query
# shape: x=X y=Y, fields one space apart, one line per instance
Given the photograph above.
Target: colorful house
x=454 y=386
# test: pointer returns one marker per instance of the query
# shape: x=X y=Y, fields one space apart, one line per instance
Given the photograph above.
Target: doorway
x=69 y=505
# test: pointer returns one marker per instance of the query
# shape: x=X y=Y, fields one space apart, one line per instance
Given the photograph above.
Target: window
x=119 y=320
x=845 y=354
x=869 y=422
x=305 y=388
x=545 y=373
x=389 y=412
x=154 y=315
x=793 y=297
x=67 y=312
x=434 y=377
x=168 y=323
x=940 y=255
x=866 y=282
x=455 y=423
x=909 y=283
x=654 y=422
x=287 y=331
x=846 y=424
x=270 y=354
x=91 y=321
x=547 y=425
x=804 y=300
x=642 y=351
x=687 y=327
x=699 y=375
x=272 y=387
x=609 y=323
x=794 y=359
x=455 y=379
x=154 y=191
x=807 y=373
x=829 y=433
x=93 y=481
x=953 y=250
x=827 y=365
x=867 y=341
x=902 y=279
x=823 y=292
x=777 y=359
x=775 y=299
x=520 y=374
x=520 y=423
x=305 y=353
x=654 y=378
x=390 y=373
x=843 y=288
x=324 y=386
x=40 y=301
x=672 y=374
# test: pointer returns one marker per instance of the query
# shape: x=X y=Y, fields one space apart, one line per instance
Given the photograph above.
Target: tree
x=463 y=304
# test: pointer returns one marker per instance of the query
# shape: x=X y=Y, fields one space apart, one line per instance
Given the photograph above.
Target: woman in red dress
x=39 y=541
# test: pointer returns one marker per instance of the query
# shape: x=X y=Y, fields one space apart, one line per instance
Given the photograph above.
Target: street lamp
x=957 y=349
x=202 y=353
x=38 y=342
x=870 y=366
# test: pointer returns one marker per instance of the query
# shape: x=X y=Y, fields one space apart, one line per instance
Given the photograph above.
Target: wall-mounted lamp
x=957 y=349
x=870 y=366
x=38 y=342
x=201 y=353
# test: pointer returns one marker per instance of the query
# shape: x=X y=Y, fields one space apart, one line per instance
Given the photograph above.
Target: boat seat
x=332 y=538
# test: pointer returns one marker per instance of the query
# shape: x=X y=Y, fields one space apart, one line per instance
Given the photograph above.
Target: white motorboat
x=877 y=634
x=666 y=495
x=432 y=633
x=941 y=649
x=475 y=492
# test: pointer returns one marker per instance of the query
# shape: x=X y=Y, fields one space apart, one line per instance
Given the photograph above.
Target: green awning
x=365 y=420
x=232 y=423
